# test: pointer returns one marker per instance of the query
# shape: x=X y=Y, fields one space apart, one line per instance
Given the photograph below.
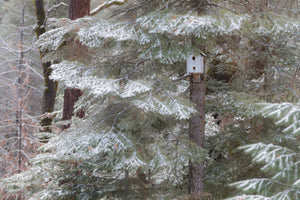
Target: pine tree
x=280 y=159
x=264 y=65
x=133 y=140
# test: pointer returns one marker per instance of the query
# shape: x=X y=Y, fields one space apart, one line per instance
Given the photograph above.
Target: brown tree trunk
x=50 y=85
x=196 y=134
x=77 y=9
x=71 y=95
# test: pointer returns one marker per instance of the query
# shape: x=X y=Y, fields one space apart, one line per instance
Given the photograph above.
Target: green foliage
x=133 y=139
x=280 y=162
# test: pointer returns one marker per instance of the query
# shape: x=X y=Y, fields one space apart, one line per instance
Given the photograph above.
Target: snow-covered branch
x=56 y=6
x=107 y=5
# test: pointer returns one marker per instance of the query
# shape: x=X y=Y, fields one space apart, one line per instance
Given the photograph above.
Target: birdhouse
x=195 y=64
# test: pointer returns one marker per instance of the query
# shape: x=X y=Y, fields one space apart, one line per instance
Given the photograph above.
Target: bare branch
x=56 y=6
x=107 y=5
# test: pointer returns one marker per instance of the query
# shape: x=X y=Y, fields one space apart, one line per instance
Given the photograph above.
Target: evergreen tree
x=133 y=141
x=280 y=159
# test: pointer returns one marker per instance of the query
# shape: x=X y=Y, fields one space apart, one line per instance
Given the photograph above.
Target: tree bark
x=196 y=134
x=49 y=94
x=19 y=113
x=71 y=95
x=77 y=9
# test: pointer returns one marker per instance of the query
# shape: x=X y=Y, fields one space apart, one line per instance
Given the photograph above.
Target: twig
x=107 y=5
x=56 y=6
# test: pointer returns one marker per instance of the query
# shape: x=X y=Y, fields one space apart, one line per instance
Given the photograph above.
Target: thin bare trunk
x=19 y=92
x=19 y=110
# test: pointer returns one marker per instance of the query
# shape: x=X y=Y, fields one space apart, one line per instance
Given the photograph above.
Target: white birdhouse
x=195 y=64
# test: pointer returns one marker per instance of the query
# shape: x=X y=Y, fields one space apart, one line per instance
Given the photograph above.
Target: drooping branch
x=107 y=5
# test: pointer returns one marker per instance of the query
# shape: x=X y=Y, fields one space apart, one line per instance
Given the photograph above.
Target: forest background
x=130 y=136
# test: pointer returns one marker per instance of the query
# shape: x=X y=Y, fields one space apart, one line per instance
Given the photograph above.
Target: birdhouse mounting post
x=196 y=67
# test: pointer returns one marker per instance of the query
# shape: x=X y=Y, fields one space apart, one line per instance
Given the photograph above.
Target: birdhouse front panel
x=195 y=64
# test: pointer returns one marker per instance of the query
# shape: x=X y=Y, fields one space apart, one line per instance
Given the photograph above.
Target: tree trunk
x=77 y=9
x=50 y=85
x=19 y=110
x=196 y=134
x=71 y=95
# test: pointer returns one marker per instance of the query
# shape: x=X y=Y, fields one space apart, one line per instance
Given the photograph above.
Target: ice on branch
x=272 y=156
x=278 y=26
x=153 y=29
x=161 y=26
x=166 y=53
x=87 y=144
x=94 y=35
x=285 y=113
x=183 y=25
x=250 y=197
x=169 y=169
x=291 y=194
x=53 y=39
x=133 y=162
x=261 y=185
x=161 y=166
x=282 y=163
x=64 y=71
x=211 y=127
x=132 y=88
x=71 y=74
x=107 y=5
x=115 y=142
x=290 y=174
x=171 y=107
x=297 y=184
x=62 y=30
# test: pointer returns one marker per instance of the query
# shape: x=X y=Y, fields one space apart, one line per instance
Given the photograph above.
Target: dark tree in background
x=50 y=89
x=77 y=9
